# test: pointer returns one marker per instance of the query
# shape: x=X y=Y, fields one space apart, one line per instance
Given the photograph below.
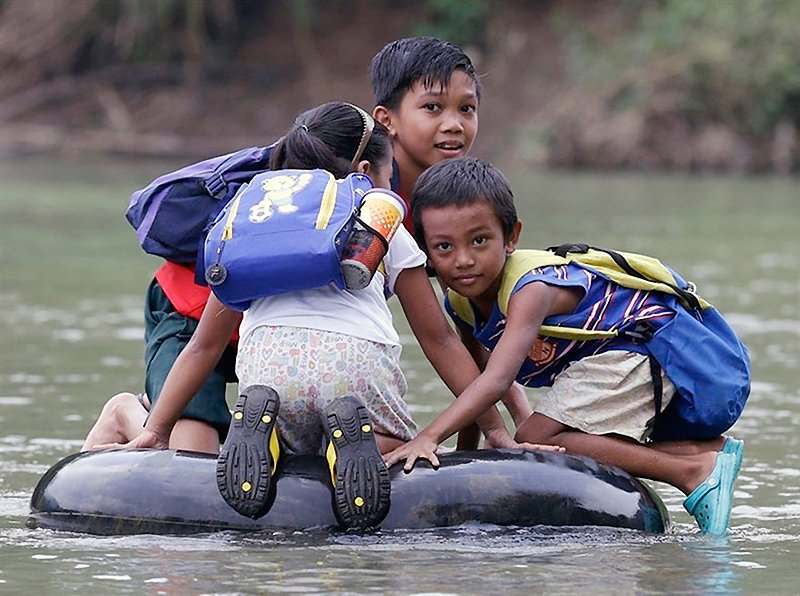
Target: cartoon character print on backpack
x=278 y=194
x=282 y=219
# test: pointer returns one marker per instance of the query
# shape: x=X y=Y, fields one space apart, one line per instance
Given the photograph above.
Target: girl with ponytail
x=319 y=369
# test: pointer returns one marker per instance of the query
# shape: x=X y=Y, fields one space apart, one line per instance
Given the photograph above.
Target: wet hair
x=463 y=181
x=329 y=137
x=427 y=60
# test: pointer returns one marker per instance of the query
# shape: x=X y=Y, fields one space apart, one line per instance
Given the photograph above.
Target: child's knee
x=387 y=443
x=532 y=435
x=118 y=407
x=539 y=429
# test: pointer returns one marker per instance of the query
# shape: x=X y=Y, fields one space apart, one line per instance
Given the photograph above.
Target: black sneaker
x=249 y=456
x=361 y=485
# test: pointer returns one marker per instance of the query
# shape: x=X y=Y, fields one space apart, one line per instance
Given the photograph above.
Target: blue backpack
x=699 y=351
x=171 y=214
x=283 y=231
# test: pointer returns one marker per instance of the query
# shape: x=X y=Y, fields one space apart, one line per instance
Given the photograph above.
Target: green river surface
x=72 y=281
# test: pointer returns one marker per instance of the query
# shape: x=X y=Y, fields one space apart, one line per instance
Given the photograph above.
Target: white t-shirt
x=360 y=313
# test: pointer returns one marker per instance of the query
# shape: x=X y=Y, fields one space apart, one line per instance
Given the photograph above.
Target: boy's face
x=432 y=124
x=467 y=248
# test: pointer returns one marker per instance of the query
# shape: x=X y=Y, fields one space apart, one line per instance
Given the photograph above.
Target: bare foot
x=699 y=469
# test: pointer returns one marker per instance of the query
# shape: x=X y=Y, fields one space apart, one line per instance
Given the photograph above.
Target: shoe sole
x=362 y=487
x=245 y=465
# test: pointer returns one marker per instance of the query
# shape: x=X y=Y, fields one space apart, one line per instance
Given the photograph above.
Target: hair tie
x=369 y=124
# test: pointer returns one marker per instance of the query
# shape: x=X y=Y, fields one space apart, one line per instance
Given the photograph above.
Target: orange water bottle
x=382 y=213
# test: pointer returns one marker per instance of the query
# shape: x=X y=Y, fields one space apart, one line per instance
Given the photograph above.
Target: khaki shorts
x=610 y=393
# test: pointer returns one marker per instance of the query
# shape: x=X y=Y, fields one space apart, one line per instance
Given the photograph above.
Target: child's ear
x=363 y=167
x=513 y=238
x=384 y=115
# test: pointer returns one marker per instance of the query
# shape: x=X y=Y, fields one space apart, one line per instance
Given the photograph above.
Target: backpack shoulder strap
x=461 y=306
x=632 y=270
x=523 y=261
x=627 y=269
x=250 y=159
x=518 y=264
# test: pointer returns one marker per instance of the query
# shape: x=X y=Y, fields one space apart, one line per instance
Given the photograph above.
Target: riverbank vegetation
x=615 y=84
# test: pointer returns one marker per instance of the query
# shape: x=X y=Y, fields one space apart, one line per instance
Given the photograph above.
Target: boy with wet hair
x=550 y=321
x=427 y=93
x=426 y=60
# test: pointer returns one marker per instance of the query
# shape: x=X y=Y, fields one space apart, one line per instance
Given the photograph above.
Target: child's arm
x=440 y=343
x=526 y=311
x=188 y=373
x=515 y=399
x=517 y=404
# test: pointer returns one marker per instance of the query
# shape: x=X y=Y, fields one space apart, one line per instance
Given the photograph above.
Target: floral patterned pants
x=309 y=368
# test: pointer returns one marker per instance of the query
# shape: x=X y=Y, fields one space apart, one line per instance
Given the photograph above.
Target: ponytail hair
x=335 y=137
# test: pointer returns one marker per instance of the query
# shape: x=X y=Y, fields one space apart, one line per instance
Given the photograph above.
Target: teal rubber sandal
x=736 y=448
x=361 y=485
x=711 y=502
x=249 y=456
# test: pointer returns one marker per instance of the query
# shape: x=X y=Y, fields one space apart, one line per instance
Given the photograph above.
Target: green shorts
x=166 y=334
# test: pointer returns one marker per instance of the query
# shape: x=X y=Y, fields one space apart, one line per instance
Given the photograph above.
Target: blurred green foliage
x=177 y=30
x=733 y=62
x=736 y=62
x=724 y=72
x=161 y=28
x=462 y=22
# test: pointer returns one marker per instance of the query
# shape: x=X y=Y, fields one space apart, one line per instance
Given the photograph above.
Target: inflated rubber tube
x=175 y=492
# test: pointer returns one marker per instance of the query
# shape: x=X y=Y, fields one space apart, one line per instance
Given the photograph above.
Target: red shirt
x=407 y=221
x=188 y=298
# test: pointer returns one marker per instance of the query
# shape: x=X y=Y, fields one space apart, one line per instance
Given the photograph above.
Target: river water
x=71 y=284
